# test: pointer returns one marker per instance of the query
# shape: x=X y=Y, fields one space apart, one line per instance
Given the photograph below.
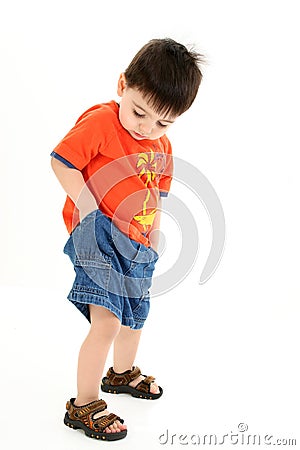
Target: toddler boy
x=115 y=165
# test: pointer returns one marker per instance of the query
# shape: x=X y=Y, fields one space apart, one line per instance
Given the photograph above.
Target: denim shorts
x=111 y=270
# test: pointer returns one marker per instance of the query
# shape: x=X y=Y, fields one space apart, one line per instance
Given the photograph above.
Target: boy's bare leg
x=125 y=349
x=92 y=356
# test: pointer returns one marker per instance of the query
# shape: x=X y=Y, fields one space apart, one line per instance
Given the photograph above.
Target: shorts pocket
x=88 y=251
x=140 y=308
x=92 y=272
x=147 y=278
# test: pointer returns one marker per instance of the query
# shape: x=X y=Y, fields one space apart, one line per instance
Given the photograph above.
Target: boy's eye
x=137 y=114
x=143 y=115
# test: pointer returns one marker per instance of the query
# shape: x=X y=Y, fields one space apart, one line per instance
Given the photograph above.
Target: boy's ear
x=121 y=85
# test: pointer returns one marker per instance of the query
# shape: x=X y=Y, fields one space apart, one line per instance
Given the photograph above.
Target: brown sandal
x=81 y=417
x=118 y=383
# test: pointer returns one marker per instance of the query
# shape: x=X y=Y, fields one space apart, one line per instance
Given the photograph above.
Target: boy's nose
x=146 y=129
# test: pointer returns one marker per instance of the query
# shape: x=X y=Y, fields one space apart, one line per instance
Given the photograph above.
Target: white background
x=225 y=352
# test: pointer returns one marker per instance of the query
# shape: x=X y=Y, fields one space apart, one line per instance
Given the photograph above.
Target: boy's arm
x=154 y=238
x=74 y=185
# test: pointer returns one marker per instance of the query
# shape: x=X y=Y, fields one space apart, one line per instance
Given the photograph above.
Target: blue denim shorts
x=111 y=270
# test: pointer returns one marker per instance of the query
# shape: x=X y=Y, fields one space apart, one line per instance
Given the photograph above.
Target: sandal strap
x=144 y=385
x=105 y=421
x=124 y=377
x=85 y=414
x=80 y=412
x=149 y=379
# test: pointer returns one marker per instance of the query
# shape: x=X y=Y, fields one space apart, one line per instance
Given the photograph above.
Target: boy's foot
x=154 y=388
x=131 y=382
x=95 y=420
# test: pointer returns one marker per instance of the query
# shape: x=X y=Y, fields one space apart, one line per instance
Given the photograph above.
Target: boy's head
x=160 y=83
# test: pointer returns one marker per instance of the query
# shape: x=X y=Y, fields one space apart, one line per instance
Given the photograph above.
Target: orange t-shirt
x=126 y=176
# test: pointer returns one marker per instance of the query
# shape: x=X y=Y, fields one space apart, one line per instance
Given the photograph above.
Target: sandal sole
x=76 y=425
x=129 y=390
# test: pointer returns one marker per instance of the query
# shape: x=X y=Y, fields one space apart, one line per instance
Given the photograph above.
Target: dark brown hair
x=167 y=74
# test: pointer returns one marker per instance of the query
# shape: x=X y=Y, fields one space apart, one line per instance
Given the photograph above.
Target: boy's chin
x=137 y=136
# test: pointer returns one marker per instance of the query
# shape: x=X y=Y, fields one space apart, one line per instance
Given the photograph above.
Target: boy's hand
x=83 y=212
x=73 y=183
x=86 y=203
x=153 y=233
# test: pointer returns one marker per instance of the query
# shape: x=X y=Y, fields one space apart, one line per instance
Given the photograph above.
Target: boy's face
x=137 y=117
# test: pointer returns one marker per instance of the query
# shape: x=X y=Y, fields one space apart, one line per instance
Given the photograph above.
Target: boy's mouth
x=138 y=135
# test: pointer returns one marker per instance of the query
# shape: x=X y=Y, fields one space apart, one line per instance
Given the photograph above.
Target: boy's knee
x=103 y=321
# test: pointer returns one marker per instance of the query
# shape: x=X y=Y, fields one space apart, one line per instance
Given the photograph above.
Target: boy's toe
x=154 y=389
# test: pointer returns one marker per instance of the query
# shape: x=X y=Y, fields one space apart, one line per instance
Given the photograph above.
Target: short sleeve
x=63 y=160
x=92 y=132
x=167 y=176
